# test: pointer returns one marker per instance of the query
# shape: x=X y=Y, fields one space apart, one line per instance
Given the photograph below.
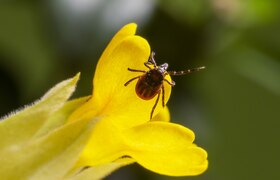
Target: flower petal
x=104 y=146
x=166 y=148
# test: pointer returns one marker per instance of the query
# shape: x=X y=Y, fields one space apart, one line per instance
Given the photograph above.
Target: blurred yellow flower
x=123 y=127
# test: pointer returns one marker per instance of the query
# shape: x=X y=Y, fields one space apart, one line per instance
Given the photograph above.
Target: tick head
x=162 y=68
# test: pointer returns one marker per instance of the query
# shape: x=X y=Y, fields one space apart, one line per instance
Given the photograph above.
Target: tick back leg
x=162 y=96
x=154 y=107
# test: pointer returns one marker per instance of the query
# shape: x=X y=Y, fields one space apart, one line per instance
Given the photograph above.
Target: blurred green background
x=233 y=106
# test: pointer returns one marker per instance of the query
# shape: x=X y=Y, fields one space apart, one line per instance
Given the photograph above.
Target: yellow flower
x=55 y=138
x=123 y=127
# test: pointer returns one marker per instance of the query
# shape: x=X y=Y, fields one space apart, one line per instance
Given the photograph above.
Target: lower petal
x=166 y=148
x=188 y=162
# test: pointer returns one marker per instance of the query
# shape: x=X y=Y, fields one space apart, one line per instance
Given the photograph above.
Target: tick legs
x=152 y=60
x=162 y=96
x=129 y=81
x=154 y=107
x=136 y=70
x=147 y=64
x=163 y=101
x=188 y=71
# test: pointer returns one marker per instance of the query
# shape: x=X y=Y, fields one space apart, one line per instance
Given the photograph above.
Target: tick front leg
x=154 y=107
x=147 y=64
x=136 y=70
x=129 y=81
x=152 y=59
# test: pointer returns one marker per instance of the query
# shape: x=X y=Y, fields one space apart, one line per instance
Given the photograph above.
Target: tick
x=150 y=83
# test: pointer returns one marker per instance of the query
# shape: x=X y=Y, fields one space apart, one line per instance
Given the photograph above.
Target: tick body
x=151 y=82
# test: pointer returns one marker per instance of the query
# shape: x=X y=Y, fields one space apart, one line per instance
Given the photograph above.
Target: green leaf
x=20 y=126
x=48 y=157
x=60 y=117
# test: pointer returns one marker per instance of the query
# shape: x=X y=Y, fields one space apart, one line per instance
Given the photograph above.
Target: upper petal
x=123 y=33
x=88 y=109
x=166 y=148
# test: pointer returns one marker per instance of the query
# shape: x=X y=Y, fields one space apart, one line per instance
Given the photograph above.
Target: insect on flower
x=151 y=84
